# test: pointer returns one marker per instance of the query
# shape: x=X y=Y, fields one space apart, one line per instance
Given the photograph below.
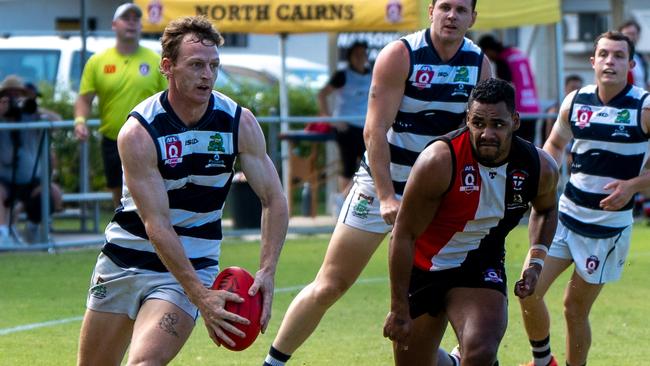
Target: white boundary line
x=22 y=328
x=26 y=327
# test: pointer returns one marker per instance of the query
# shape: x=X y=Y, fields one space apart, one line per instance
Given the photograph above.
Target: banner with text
x=289 y=16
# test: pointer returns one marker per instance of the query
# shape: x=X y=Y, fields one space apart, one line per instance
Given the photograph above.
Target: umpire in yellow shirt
x=121 y=77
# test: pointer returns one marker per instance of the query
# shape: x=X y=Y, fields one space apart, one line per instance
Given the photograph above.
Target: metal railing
x=84 y=195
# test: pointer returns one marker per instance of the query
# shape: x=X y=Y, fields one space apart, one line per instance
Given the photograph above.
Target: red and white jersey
x=482 y=205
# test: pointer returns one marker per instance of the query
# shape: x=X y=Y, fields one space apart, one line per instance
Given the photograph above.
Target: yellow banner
x=288 y=16
x=514 y=13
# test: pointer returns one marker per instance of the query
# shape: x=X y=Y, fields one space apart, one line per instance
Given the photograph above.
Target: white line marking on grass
x=300 y=287
x=22 y=328
x=26 y=327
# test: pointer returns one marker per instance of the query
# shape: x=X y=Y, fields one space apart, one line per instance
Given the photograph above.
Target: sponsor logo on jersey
x=592 y=264
x=173 y=150
x=492 y=275
x=216 y=146
x=460 y=90
x=584 y=116
x=216 y=162
x=191 y=141
x=394 y=11
x=620 y=131
x=517 y=202
x=110 y=69
x=468 y=179
x=623 y=117
x=144 y=69
x=423 y=76
x=462 y=75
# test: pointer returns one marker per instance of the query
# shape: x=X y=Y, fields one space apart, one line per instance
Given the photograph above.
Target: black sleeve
x=337 y=81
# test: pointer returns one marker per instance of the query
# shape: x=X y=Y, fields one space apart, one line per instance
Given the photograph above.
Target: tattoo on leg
x=167 y=323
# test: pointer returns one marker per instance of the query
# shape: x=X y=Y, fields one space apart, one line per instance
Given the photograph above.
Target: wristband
x=79 y=120
x=540 y=247
x=538 y=261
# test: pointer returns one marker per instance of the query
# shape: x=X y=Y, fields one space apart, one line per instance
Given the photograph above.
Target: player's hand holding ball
x=238 y=281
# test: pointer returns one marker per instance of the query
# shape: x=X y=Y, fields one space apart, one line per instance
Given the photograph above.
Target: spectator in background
x=512 y=65
x=350 y=87
x=571 y=83
x=19 y=158
x=638 y=75
x=121 y=77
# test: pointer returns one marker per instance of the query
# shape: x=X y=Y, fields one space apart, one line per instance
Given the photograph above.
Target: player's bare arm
x=386 y=92
x=561 y=133
x=429 y=180
x=541 y=225
x=623 y=190
x=486 y=69
x=142 y=177
x=264 y=180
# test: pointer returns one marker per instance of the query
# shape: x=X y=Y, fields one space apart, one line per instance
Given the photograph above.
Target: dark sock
x=541 y=351
x=276 y=358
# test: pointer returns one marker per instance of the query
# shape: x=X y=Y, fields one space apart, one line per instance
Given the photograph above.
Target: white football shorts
x=123 y=290
x=596 y=260
x=361 y=207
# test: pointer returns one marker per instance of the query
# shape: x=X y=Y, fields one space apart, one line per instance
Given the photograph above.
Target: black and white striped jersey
x=609 y=144
x=434 y=102
x=196 y=165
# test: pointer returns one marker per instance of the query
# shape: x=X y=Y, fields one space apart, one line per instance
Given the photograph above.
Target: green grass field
x=39 y=287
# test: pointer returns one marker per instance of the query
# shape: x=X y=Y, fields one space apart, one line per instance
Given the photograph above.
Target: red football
x=238 y=280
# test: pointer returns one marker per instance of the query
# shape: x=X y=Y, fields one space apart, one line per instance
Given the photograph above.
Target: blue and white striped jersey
x=609 y=144
x=196 y=165
x=434 y=102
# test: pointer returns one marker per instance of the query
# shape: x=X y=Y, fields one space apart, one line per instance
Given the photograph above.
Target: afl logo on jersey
x=144 y=69
x=173 y=150
x=423 y=76
x=468 y=183
x=584 y=116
